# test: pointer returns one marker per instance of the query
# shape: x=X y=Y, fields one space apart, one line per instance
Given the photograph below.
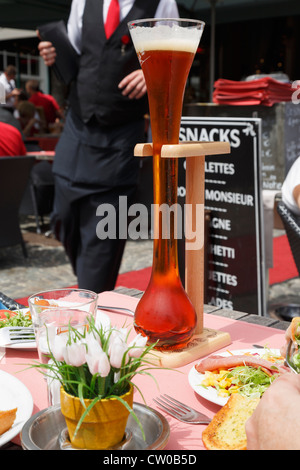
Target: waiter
x=94 y=163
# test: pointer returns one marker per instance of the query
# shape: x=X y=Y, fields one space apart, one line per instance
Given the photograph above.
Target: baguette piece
x=7 y=419
x=226 y=431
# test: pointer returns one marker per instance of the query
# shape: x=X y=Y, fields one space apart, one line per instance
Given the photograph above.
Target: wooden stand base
x=205 y=341
x=200 y=345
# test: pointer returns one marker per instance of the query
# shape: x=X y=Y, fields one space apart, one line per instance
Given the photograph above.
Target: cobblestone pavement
x=47 y=267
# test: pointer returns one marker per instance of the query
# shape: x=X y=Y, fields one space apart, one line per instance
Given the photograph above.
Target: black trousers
x=86 y=180
x=95 y=261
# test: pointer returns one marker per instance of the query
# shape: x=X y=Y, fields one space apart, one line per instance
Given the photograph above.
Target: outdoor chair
x=291 y=225
x=39 y=194
x=14 y=175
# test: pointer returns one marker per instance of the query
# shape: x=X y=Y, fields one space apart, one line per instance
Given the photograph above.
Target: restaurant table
x=42 y=155
x=245 y=330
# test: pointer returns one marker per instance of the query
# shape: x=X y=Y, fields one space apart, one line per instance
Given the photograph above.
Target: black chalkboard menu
x=235 y=269
x=292 y=134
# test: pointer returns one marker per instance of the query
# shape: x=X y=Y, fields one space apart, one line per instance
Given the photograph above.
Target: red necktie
x=113 y=18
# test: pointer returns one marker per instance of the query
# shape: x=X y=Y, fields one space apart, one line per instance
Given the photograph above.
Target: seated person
x=39 y=111
x=47 y=102
x=7 y=79
x=291 y=188
x=29 y=119
x=11 y=142
x=8 y=117
x=275 y=423
x=22 y=96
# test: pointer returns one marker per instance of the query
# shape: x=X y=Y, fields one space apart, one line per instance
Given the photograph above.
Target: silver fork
x=181 y=411
x=288 y=357
x=16 y=334
x=123 y=309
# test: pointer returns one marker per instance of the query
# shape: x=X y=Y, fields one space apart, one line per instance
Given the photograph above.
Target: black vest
x=104 y=63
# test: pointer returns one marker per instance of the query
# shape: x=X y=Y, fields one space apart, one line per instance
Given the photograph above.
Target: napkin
x=264 y=91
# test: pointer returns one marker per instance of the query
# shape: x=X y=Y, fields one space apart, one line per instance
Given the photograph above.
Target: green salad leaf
x=252 y=381
x=18 y=319
x=297 y=333
x=296 y=360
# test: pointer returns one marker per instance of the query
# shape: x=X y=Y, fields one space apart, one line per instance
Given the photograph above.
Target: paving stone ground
x=47 y=265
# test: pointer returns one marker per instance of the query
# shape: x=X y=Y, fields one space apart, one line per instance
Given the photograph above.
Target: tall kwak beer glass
x=166 y=50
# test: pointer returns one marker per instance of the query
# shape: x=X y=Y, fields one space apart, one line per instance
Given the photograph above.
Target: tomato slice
x=43 y=302
x=4 y=312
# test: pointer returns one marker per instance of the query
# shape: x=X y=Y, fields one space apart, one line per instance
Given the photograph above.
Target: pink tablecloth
x=174 y=383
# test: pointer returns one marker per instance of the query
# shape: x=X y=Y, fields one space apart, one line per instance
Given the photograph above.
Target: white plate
x=31 y=346
x=14 y=394
x=195 y=378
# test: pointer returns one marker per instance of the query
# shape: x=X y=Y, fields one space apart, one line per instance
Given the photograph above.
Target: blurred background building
x=241 y=38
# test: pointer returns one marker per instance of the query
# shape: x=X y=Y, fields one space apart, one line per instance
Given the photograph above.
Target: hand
x=47 y=52
x=134 y=85
x=288 y=337
x=275 y=424
x=290 y=334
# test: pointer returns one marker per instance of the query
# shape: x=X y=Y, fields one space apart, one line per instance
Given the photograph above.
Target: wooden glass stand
x=204 y=340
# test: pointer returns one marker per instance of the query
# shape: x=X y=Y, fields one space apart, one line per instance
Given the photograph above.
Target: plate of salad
x=219 y=382
x=20 y=317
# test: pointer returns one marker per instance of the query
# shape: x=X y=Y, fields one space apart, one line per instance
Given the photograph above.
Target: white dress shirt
x=9 y=86
x=291 y=181
x=165 y=9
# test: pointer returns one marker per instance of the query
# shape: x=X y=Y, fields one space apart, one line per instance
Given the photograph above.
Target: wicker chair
x=291 y=224
x=292 y=227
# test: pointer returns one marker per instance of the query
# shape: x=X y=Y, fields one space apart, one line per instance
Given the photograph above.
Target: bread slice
x=7 y=419
x=226 y=431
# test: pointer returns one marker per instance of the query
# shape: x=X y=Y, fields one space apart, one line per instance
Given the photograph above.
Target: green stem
x=101 y=386
x=81 y=374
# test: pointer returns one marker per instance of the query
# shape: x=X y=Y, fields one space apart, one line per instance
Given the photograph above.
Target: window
x=28 y=67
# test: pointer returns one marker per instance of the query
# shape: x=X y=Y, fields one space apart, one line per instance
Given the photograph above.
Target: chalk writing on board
x=233 y=199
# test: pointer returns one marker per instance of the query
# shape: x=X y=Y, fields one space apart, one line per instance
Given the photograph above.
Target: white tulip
x=75 y=354
x=117 y=349
x=137 y=345
x=96 y=358
x=103 y=322
x=58 y=346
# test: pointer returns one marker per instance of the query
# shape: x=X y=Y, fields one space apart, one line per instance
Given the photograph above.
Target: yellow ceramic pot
x=103 y=427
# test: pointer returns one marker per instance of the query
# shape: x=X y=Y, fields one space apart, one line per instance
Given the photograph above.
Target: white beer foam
x=163 y=37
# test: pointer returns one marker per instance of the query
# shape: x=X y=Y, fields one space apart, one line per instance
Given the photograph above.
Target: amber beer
x=165 y=313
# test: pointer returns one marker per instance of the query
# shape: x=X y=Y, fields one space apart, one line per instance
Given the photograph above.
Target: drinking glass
x=52 y=312
x=166 y=50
